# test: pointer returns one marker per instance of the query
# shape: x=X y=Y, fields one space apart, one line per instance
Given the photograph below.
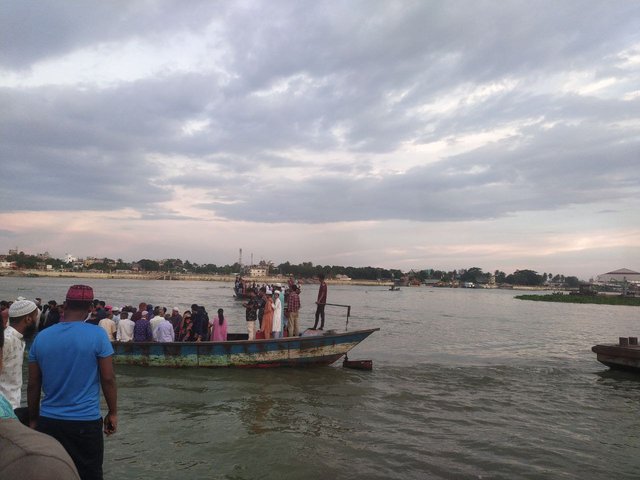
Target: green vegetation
x=301 y=270
x=597 y=299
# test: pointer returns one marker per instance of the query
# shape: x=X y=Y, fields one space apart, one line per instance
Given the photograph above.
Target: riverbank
x=176 y=276
x=593 y=299
x=120 y=275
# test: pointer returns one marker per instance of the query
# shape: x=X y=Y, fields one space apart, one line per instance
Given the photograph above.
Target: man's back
x=67 y=354
x=125 y=330
x=109 y=326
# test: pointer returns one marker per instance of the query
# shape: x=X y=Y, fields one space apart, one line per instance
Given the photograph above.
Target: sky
x=407 y=134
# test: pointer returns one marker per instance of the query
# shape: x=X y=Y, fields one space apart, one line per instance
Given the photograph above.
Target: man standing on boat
x=250 y=315
x=294 y=310
x=322 y=300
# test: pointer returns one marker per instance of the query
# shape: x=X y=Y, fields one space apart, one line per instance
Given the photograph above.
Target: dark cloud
x=346 y=77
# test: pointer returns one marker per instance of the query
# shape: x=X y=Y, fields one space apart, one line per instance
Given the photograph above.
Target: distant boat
x=394 y=288
x=323 y=348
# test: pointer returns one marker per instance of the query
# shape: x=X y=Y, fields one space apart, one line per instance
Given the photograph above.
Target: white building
x=621 y=275
x=70 y=258
x=258 y=271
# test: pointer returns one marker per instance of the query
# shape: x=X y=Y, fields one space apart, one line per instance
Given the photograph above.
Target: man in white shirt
x=156 y=320
x=125 y=328
x=23 y=320
x=164 y=332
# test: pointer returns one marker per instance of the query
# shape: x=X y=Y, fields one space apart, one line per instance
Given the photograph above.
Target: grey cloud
x=33 y=30
x=557 y=169
x=344 y=60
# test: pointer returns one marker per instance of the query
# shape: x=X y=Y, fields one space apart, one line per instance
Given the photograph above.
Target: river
x=467 y=384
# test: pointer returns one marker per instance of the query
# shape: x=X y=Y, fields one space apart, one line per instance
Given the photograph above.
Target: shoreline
x=177 y=277
x=226 y=278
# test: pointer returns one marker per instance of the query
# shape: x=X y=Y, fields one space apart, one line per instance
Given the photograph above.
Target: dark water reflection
x=466 y=384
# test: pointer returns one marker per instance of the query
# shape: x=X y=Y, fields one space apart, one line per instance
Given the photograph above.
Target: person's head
x=144 y=314
x=102 y=304
x=24 y=316
x=321 y=277
x=175 y=311
x=124 y=315
x=100 y=314
x=52 y=303
x=186 y=315
x=142 y=306
x=78 y=302
x=220 y=316
x=156 y=311
x=194 y=307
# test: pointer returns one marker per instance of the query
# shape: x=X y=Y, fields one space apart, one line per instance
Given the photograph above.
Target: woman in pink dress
x=219 y=327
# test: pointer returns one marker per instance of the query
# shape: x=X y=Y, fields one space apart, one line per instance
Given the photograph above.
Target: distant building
x=68 y=258
x=621 y=275
x=258 y=271
x=342 y=277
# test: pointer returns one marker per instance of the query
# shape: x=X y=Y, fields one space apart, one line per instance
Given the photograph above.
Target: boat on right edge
x=622 y=356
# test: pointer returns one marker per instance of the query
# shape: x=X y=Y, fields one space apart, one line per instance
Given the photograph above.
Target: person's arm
x=110 y=392
x=34 y=388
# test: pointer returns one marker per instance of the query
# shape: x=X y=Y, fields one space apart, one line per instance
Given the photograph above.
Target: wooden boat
x=320 y=349
x=623 y=356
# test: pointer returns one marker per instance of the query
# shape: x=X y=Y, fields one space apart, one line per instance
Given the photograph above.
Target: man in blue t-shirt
x=69 y=362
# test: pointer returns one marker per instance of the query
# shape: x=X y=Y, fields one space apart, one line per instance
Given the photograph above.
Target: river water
x=466 y=384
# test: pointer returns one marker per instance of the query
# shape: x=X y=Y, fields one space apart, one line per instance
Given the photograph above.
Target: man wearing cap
x=70 y=361
x=23 y=319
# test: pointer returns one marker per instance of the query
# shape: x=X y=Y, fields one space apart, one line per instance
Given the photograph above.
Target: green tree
x=148 y=265
x=524 y=277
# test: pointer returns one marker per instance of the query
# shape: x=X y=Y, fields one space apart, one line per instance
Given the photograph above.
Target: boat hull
x=619 y=357
x=284 y=352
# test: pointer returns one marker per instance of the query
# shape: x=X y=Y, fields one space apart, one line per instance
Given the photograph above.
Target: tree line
x=304 y=270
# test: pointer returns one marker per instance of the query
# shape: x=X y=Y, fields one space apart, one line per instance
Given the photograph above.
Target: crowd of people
x=272 y=311
x=70 y=361
x=276 y=308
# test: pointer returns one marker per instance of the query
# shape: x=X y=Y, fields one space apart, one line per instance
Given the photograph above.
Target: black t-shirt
x=252 y=306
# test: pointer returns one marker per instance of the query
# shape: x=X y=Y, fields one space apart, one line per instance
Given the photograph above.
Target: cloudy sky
x=404 y=134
